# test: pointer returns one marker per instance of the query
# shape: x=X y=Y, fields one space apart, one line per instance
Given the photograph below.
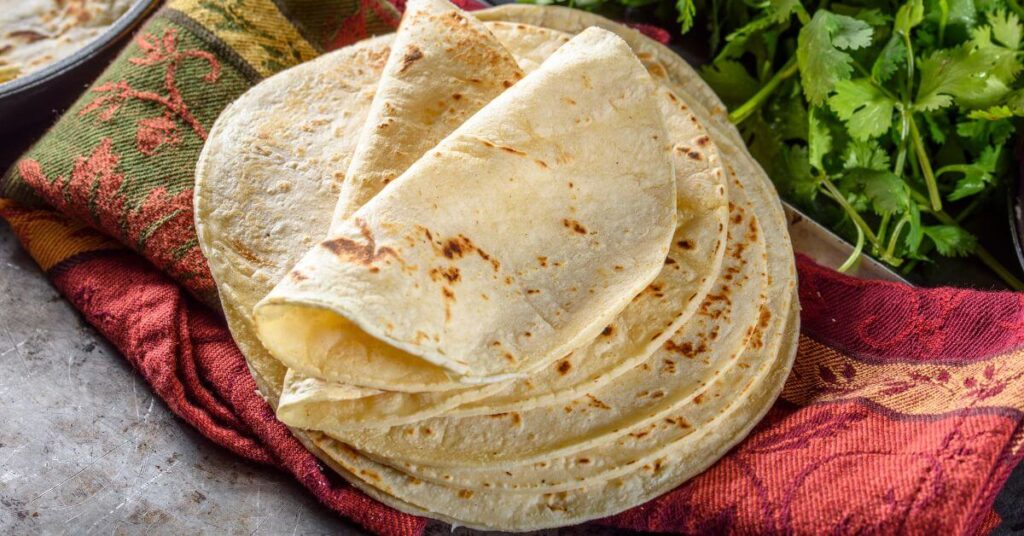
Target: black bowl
x=31 y=103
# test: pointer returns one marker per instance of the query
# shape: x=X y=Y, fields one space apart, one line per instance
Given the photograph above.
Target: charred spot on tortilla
x=366 y=253
x=412 y=54
x=574 y=225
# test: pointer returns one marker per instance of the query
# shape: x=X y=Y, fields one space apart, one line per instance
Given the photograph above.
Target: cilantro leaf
x=797 y=179
x=887 y=192
x=993 y=113
x=866 y=110
x=687 y=10
x=960 y=72
x=1005 y=28
x=736 y=42
x=976 y=176
x=819 y=140
x=781 y=10
x=950 y=240
x=889 y=59
x=820 y=55
x=1006 y=65
x=866 y=154
x=730 y=80
x=981 y=132
x=937 y=125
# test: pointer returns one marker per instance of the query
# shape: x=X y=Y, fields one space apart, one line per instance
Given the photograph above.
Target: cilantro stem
x=746 y=109
x=895 y=237
x=926 y=167
x=855 y=255
x=901 y=155
x=943 y=18
x=883 y=227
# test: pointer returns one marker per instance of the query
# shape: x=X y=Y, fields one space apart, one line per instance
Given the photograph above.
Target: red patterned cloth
x=903 y=412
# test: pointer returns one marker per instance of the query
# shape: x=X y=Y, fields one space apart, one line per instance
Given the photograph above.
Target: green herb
x=888 y=121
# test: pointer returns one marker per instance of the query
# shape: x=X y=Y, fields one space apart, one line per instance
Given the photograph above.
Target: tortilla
x=565 y=467
x=506 y=247
x=446 y=66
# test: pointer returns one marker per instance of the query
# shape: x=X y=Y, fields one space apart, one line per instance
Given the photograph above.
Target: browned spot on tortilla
x=564 y=366
x=596 y=403
x=703 y=140
x=640 y=434
x=414 y=481
x=685 y=244
x=509 y=357
x=412 y=54
x=568 y=101
x=618 y=268
x=365 y=254
x=456 y=247
x=541 y=163
x=497 y=415
x=465 y=494
x=507 y=83
x=574 y=225
x=448 y=294
x=677 y=421
x=672 y=96
x=512 y=150
x=244 y=251
x=752 y=232
x=532 y=291
x=571 y=185
x=685 y=349
x=669 y=366
x=450 y=273
x=543 y=261
x=457 y=96
x=699 y=399
x=427 y=431
x=369 y=474
x=693 y=155
x=669 y=260
x=297 y=276
x=508 y=280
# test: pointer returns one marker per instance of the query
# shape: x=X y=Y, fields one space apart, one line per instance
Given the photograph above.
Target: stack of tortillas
x=510 y=270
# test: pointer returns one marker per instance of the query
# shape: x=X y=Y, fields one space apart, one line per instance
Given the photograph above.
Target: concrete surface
x=86 y=449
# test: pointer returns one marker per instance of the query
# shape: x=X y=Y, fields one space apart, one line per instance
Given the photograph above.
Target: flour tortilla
x=444 y=68
x=507 y=246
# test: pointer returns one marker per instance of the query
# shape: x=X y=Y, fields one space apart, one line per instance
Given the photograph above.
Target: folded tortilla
x=510 y=244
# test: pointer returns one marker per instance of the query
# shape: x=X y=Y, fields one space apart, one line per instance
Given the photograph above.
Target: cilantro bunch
x=888 y=121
